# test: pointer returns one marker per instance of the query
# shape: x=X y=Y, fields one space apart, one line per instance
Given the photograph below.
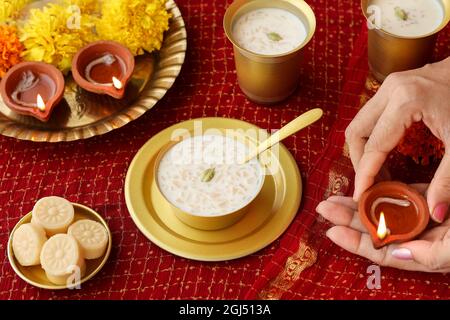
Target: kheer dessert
x=54 y=214
x=203 y=176
x=410 y=18
x=269 y=31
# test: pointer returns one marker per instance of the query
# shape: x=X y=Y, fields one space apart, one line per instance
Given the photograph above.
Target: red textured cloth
x=302 y=263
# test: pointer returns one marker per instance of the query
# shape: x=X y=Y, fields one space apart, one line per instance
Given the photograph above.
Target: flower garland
x=137 y=24
x=9 y=9
x=421 y=145
x=10 y=48
x=47 y=36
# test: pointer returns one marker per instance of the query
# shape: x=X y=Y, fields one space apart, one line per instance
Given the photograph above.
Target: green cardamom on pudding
x=274 y=36
x=399 y=12
x=208 y=174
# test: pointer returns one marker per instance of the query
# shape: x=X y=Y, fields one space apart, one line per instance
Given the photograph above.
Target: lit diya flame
x=117 y=83
x=382 y=231
x=40 y=103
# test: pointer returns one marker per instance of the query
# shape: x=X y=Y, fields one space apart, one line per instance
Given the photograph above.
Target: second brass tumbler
x=390 y=53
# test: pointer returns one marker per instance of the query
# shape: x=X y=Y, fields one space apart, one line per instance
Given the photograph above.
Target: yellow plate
x=267 y=218
x=35 y=275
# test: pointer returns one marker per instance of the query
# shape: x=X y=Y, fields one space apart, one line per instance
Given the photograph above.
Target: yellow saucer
x=267 y=218
x=35 y=275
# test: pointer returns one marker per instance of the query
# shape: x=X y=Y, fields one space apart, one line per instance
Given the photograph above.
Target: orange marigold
x=10 y=48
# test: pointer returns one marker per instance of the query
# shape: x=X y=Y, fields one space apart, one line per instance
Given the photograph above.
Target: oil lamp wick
x=108 y=59
x=383 y=231
x=27 y=82
x=397 y=202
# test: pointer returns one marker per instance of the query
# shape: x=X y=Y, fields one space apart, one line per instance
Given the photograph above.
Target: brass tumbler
x=390 y=53
x=268 y=79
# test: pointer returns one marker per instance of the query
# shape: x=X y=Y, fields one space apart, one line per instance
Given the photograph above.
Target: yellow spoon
x=291 y=128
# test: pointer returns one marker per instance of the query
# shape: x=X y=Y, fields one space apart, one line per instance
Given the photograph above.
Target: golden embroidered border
x=303 y=258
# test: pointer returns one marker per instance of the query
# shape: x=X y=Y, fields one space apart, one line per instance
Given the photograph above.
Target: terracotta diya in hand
x=393 y=212
x=33 y=89
x=103 y=67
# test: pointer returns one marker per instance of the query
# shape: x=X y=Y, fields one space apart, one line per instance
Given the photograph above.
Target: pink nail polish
x=440 y=212
x=402 y=254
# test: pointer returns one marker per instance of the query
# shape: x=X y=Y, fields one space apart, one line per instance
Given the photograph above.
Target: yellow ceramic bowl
x=35 y=275
x=213 y=222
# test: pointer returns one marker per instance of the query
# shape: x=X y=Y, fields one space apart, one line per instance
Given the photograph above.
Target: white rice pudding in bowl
x=204 y=179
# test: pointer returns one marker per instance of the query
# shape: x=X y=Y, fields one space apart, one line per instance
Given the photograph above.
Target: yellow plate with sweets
x=268 y=216
x=35 y=275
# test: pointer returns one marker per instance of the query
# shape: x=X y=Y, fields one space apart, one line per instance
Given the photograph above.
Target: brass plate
x=267 y=218
x=82 y=115
x=35 y=275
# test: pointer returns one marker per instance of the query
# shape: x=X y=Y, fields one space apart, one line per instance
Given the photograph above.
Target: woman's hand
x=430 y=253
x=412 y=96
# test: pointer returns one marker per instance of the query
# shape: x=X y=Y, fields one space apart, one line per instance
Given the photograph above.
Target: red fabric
x=92 y=172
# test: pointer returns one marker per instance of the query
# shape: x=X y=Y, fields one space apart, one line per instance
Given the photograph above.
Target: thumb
x=438 y=195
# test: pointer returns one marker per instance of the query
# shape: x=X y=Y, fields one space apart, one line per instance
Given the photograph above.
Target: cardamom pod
x=274 y=36
x=399 y=12
x=208 y=174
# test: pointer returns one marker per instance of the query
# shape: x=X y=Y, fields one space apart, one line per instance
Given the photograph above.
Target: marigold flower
x=137 y=24
x=48 y=37
x=86 y=6
x=10 y=48
x=10 y=9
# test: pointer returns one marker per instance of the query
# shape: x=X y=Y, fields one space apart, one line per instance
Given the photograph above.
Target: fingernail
x=319 y=206
x=356 y=196
x=402 y=254
x=440 y=212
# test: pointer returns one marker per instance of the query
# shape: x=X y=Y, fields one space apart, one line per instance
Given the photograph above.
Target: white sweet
x=54 y=214
x=27 y=244
x=61 y=257
x=421 y=16
x=269 y=31
x=182 y=171
x=91 y=236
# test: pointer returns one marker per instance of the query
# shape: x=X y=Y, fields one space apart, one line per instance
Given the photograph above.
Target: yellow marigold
x=10 y=49
x=9 y=9
x=137 y=24
x=52 y=35
x=86 y=6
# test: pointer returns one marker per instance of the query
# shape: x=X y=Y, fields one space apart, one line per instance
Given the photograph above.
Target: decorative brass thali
x=82 y=115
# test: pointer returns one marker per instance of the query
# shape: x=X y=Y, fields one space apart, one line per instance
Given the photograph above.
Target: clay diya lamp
x=393 y=212
x=33 y=89
x=103 y=67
